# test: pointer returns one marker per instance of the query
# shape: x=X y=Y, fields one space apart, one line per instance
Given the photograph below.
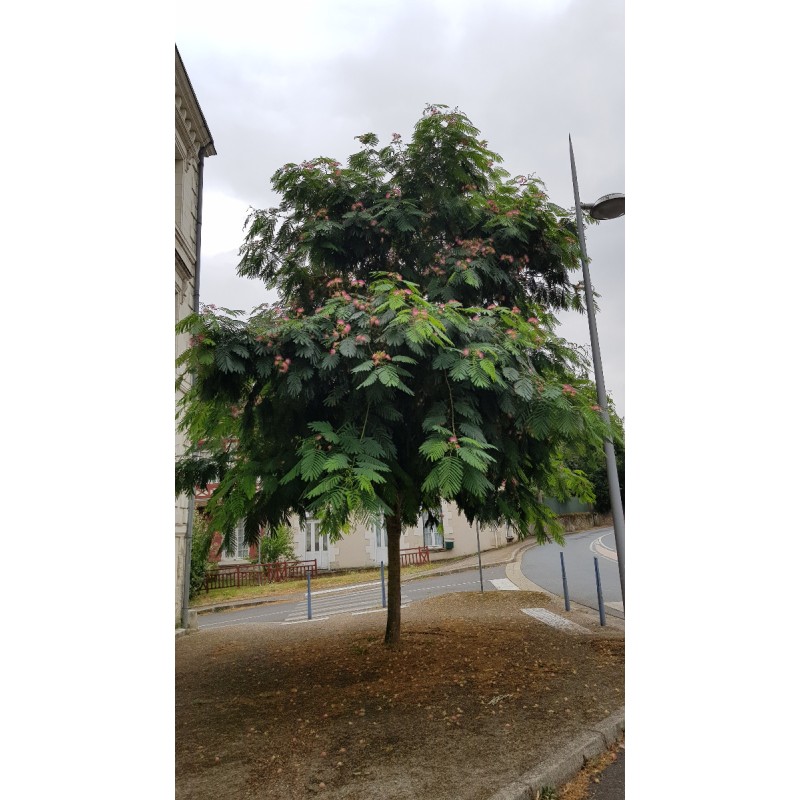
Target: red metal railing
x=414 y=555
x=257 y=574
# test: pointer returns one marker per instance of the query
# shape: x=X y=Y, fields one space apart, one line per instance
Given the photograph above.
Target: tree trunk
x=393 y=530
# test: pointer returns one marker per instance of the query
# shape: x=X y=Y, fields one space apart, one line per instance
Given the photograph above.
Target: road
x=542 y=565
x=361 y=599
x=612 y=781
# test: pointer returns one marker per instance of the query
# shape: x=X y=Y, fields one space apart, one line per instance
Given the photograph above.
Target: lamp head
x=609 y=206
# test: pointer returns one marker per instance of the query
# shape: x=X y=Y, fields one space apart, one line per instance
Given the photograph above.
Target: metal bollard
x=564 y=580
x=383 y=588
x=480 y=566
x=599 y=593
x=308 y=581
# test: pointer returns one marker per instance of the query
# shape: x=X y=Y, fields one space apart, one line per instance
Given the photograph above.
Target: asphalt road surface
x=362 y=599
x=542 y=565
x=612 y=781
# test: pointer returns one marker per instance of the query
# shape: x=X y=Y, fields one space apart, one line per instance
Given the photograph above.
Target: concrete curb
x=567 y=762
x=468 y=567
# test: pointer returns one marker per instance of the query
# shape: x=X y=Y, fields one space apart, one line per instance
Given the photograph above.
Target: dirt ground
x=476 y=694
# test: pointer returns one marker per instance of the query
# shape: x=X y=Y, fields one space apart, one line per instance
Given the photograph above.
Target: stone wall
x=191 y=135
x=584 y=520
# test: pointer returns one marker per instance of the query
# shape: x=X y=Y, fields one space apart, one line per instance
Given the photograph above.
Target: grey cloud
x=526 y=79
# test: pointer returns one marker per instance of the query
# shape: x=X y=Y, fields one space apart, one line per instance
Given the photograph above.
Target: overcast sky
x=291 y=81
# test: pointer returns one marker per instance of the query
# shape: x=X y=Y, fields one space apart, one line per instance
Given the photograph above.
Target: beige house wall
x=191 y=136
x=358 y=548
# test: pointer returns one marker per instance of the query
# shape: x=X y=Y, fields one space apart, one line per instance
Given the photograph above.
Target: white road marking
x=362 y=600
x=598 y=548
x=376 y=610
x=238 y=620
x=504 y=585
x=554 y=620
x=345 y=588
x=301 y=621
x=445 y=586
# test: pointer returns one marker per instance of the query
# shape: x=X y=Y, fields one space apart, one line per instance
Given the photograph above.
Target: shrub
x=277 y=544
x=202 y=534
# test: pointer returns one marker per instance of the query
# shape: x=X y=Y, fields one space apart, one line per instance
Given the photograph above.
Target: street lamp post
x=608 y=207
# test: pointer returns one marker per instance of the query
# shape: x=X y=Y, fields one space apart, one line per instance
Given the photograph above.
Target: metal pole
x=187 y=563
x=383 y=588
x=258 y=545
x=611 y=461
x=564 y=581
x=480 y=566
x=308 y=581
x=599 y=593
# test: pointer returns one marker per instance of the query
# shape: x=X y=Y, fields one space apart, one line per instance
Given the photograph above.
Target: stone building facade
x=193 y=143
x=366 y=545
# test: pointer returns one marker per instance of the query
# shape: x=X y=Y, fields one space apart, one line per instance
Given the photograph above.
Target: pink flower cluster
x=282 y=363
x=341 y=330
x=569 y=390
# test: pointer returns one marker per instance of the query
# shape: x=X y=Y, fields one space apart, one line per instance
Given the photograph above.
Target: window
x=239 y=550
x=432 y=528
x=315 y=541
x=380 y=533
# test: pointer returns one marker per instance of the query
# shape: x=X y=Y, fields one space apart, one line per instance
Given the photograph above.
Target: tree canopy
x=411 y=357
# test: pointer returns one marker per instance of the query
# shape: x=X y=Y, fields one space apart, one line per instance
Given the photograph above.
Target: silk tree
x=412 y=357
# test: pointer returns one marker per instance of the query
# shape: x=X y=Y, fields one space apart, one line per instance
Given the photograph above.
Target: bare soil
x=476 y=694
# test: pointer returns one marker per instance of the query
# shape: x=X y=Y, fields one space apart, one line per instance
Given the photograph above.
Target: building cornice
x=189 y=119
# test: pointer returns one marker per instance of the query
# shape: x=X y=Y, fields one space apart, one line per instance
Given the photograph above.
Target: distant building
x=366 y=546
x=193 y=143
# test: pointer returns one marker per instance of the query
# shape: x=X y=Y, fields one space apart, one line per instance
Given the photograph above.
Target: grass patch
x=323 y=581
